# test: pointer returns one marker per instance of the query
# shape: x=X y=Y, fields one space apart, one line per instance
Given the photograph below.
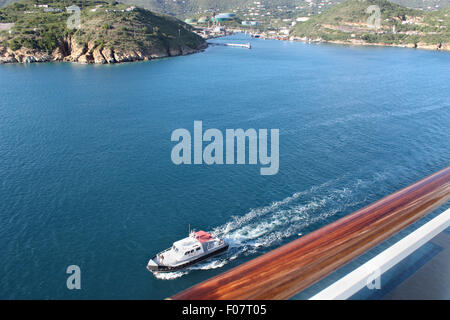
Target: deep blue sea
x=86 y=176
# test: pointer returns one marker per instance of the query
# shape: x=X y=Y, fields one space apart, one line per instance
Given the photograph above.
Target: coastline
x=421 y=46
x=70 y=51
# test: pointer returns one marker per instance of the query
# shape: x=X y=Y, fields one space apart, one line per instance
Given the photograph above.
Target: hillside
x=188 y=8
x=35 y=31
x=349 y=22
x=185 y=8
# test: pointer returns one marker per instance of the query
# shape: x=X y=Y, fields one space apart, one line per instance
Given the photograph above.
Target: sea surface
x=86 y=176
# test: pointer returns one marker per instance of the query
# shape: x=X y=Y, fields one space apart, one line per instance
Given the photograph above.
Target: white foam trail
x=284 y=219
x=169 y=275
x=261 y=228
x=238 y=221
x=209 y=265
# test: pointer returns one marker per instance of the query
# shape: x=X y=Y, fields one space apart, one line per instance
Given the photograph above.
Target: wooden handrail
x=283 y=272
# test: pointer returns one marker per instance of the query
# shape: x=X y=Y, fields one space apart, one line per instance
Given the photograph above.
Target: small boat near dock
x=198 y=246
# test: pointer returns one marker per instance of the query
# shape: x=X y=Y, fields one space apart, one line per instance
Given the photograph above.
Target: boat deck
x=169 y=258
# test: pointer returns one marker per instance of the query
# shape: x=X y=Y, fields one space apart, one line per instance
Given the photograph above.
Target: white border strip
x=347 y=286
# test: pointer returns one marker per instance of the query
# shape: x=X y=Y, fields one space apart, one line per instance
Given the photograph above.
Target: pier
x=242 y=45
x=238 y=45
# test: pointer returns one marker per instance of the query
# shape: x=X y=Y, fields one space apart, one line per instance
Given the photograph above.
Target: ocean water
x=86 y=176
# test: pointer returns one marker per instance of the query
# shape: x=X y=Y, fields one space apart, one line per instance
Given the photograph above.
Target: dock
x=242 y=45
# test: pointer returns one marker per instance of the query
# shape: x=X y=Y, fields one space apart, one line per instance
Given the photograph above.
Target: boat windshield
x=175 y=249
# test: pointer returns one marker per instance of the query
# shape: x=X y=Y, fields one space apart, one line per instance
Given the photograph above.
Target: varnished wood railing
x=285 y=271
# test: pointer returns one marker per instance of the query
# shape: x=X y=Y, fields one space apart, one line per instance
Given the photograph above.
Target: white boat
x=198 y=246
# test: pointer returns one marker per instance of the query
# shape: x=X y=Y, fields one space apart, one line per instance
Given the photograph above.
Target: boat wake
x=208 y=265
x=264 y=228
x=169 y=275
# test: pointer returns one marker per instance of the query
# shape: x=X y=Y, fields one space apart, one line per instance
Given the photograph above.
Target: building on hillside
x=223 y=17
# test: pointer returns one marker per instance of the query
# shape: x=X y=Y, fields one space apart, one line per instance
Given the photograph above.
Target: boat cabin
x=197 y=244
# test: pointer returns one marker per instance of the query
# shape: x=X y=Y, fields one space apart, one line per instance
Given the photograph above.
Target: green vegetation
x=38 y=30
x=189 y=8
x=348 y=22
x=105 y=23
x=266 y=15
x=271 y=15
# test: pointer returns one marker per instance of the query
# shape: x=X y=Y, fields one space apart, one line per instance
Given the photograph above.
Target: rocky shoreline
x=71 y=51
x=356 y=42
x=420 y=45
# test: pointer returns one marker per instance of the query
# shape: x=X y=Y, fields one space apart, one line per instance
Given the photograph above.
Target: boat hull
x=162 y=268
